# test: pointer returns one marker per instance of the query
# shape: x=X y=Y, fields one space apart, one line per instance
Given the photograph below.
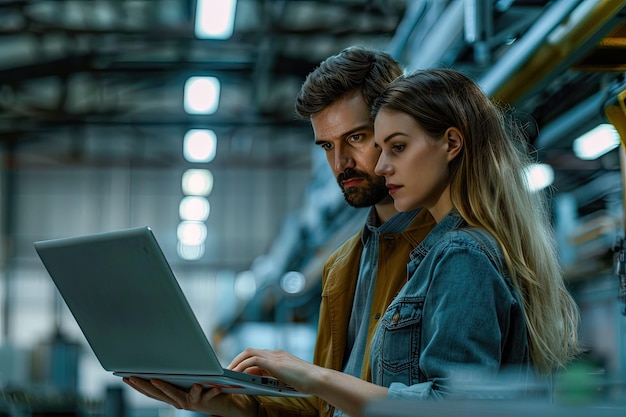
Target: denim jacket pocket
x=400 y=337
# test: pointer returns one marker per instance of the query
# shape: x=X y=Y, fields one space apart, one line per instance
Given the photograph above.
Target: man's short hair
x=354 y=69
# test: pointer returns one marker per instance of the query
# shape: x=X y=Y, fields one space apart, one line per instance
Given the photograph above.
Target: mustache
x=350 y=173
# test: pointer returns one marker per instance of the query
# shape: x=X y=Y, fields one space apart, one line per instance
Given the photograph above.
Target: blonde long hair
x=489 y=190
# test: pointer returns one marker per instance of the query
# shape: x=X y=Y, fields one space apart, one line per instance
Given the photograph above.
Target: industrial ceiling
x=85 y=68
x=78 y=78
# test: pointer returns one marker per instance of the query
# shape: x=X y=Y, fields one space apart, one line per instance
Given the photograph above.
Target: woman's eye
x=398 y=147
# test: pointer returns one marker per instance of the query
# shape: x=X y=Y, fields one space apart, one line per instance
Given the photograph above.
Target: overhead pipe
x=440 y=37
x=562 y=29
x=577 y=118
x=479 y=28
x=495 y=79
x=436 y=28
x=415 y=11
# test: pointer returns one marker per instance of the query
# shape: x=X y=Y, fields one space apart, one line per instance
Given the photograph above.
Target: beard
x=372 y=192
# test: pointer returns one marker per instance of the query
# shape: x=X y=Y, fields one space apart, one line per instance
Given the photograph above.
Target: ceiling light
x=190 y=252
x=215 y=19
x=194 y=208
x=201 y=95
x=199 y=145
x=539 y=176
x=191 y=233
x=598 y=141
x=197 y=182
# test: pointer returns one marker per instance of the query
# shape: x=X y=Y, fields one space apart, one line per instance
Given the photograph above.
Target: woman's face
x=414 y=164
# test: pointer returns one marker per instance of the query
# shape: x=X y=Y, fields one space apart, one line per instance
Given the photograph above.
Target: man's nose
x=343 y=160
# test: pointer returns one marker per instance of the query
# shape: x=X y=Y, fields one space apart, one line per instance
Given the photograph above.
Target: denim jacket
x=458 y=313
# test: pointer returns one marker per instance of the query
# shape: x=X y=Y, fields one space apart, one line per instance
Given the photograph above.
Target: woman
x=485 y=290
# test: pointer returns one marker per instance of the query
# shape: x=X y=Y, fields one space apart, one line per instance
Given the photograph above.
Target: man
x=361 y=277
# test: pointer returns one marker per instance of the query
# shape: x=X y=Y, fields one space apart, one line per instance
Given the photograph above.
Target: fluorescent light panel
x=215 y=19
x=199 y=145
x=191 y=233
x=539 y=176
x=595 y=143
x=197 y=182
x=194 y=208
x=190 y=252
x=201 y=95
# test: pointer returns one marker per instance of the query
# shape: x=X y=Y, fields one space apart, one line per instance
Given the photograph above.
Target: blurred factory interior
x=97 y=131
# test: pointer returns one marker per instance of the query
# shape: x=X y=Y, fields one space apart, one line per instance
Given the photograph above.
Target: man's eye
x=355 y=138
x=327 y=146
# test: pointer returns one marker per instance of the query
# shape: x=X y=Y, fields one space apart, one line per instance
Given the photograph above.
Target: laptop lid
x=127 y=302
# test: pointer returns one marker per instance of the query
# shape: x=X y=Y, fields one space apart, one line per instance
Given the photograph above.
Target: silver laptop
x=134 y=315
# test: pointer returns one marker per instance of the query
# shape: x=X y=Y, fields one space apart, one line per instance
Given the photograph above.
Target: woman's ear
x=455 y=142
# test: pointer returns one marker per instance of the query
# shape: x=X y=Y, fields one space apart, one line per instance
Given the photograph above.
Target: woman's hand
x=279 y=364
x=343 y=391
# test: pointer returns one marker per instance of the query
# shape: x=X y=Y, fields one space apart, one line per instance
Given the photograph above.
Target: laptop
x=121 y=290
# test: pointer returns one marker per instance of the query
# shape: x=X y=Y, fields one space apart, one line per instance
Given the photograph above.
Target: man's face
x=346 y=133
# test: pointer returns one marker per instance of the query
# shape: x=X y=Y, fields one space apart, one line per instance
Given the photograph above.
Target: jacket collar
x=396 y=224
x=452 y=220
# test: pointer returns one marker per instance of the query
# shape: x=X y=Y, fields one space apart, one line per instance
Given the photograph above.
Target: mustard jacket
x=338 y=285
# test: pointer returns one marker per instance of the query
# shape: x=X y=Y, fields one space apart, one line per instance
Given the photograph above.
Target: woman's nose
x=382 y=167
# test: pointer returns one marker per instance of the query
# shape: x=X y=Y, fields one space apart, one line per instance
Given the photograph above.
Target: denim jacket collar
x=452 y=220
